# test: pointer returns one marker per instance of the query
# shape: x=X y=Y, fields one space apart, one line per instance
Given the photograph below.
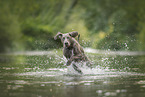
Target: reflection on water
x=43 y=75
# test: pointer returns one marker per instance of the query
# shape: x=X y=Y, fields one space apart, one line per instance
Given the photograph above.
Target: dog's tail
x=78 y=37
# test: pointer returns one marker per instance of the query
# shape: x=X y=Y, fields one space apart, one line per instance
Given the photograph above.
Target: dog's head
x=67 y=39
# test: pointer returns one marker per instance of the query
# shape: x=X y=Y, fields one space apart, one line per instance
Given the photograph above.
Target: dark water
x=42 y=74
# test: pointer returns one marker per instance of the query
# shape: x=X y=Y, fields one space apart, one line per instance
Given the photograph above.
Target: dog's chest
x=67 y=53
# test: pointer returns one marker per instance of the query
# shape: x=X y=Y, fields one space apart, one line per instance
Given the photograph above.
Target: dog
x=72 y=50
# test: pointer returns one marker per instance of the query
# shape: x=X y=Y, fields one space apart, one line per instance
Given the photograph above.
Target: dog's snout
x=66 y=43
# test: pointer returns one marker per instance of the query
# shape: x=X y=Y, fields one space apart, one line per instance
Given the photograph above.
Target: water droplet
x=50 y=90
x=99 y=91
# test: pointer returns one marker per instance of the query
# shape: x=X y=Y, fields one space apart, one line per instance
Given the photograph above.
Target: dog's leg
x=71 y=59
x=77 y=69
x=74 y=66
x=68 y=62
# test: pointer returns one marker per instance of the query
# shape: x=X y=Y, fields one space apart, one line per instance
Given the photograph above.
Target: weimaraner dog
x=72 y=49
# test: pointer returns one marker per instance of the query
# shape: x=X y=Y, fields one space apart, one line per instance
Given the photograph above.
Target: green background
x=103 y=24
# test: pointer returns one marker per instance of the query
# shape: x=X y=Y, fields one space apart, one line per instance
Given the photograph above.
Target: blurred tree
x=118 y=19
x=10 y=31
x=104 y=24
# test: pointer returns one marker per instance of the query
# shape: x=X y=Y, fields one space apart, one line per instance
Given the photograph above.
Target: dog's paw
x=68 y=63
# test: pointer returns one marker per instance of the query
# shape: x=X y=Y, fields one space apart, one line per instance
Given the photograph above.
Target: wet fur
x=71 y=48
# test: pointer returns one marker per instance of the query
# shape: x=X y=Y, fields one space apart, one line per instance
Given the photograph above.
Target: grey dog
x=72 y=49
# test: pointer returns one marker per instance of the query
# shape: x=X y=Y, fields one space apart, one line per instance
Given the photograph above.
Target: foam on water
x=89 y=74
x=100 y=71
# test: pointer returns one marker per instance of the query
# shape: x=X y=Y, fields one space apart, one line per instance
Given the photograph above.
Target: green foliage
x=119 y=20
x=104 y=24
x=9 y=29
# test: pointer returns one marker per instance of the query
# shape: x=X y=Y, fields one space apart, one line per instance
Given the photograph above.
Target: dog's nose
x=66 y=43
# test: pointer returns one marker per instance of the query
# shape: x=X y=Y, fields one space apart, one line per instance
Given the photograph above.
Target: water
x=42 y=74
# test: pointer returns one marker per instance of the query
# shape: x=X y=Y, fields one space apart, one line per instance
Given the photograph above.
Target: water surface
x=43 y=74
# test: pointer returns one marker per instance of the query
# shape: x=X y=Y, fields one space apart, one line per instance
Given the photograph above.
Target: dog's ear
x=73 y=34
x=59 y=34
